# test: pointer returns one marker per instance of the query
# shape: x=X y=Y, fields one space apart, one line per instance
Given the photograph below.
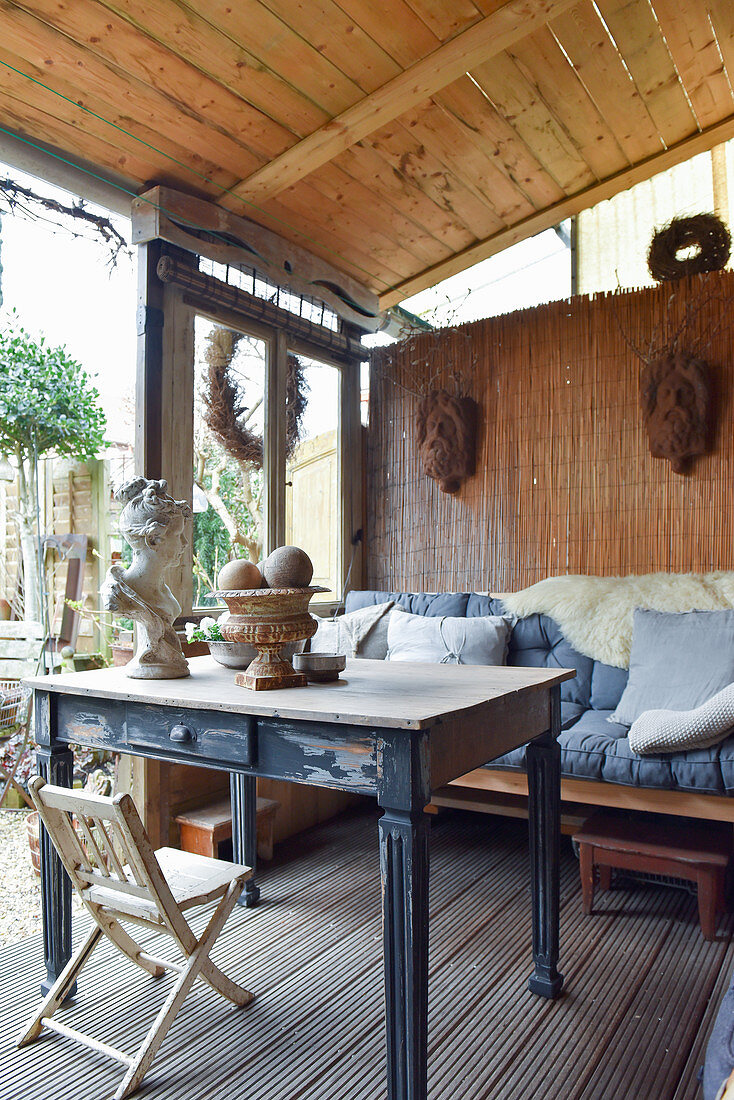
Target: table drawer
x=195 y=735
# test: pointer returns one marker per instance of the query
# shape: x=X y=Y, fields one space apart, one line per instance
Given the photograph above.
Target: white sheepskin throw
x=595 y=613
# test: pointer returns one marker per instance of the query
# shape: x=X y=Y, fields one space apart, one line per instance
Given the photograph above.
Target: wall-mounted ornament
x=677 y=407
x=705 y=233
x=677 y=386
x=447 y=438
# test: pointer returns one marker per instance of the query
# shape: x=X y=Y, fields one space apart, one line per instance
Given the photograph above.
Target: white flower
x=189 y=629
x=207 y=623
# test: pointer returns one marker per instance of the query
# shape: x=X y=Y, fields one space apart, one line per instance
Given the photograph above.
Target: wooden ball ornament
x=239 y=574
x=287 y=567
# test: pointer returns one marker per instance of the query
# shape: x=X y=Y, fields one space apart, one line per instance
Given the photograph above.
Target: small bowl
x=241 y=654
x=320 y=668
x=232 y=654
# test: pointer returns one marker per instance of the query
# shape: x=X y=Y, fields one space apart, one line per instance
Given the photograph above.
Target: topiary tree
x=47 y=406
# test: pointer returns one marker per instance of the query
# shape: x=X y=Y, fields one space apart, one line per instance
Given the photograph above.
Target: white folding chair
x=110 y=860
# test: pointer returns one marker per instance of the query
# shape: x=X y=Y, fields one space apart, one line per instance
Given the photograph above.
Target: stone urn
x=269 y=619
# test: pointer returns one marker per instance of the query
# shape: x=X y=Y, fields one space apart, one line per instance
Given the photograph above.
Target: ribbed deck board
x=642 y=987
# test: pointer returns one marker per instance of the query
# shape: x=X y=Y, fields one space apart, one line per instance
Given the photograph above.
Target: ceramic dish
x=320 y=667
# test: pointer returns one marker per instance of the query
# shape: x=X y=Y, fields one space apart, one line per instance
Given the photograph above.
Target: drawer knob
x=181 y=734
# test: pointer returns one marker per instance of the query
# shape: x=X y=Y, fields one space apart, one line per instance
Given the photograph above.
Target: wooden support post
x=404 y=869
x=275 y=447
x=544 y=790
x=164 y=441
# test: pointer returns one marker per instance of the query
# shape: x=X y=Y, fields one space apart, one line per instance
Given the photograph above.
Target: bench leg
x=710 y=887
x=605 y=876
x=586 y=870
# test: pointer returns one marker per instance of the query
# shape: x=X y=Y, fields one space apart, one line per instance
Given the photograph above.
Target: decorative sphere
x=287 y=567
x=239 y=574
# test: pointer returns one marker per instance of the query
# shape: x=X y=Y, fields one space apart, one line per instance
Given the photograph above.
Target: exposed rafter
x=497 y=32
x=551 y=215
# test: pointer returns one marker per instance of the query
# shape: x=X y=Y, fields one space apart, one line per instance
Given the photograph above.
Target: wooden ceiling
x=402 y=140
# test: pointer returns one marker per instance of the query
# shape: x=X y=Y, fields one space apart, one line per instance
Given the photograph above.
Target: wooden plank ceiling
x=402 y=140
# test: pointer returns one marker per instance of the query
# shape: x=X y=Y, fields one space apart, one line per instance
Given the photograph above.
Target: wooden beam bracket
x=208 y=230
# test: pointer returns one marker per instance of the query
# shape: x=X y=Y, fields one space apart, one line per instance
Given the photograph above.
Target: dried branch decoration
x=707 y=232
x=24 y=201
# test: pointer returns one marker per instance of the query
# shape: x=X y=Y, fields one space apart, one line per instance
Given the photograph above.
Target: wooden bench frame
x=500 y=791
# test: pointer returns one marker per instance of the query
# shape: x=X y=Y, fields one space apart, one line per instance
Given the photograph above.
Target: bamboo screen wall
x=564 y=481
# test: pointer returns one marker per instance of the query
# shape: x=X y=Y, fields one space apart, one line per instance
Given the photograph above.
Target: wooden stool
x=698 y=852
x=203 y=830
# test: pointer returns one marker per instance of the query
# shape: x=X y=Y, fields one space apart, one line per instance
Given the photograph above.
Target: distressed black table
x=395 y=731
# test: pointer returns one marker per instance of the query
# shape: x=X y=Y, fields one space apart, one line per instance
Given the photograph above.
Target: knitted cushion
x=678 y=730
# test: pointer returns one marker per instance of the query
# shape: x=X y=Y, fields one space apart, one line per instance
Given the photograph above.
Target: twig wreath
x=706 y=232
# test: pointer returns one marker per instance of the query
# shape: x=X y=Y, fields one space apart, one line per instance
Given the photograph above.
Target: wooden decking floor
x=642 y=987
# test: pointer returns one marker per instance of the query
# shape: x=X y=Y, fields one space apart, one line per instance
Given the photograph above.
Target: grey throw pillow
x=678 y=730
x=678 y=661
x=360 y=633
x=448 y=640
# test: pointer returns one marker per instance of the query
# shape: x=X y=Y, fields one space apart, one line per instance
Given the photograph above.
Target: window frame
x=279 y=342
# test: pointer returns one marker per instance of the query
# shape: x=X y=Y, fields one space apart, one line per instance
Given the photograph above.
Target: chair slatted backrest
x=102 y=843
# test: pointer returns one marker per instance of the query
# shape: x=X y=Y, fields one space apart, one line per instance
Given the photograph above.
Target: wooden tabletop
x=397 y=694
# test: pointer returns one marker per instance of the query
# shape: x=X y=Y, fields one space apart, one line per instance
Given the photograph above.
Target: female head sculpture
x=152 y=523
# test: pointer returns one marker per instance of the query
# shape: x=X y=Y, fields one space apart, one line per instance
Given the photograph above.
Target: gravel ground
x=20 y=888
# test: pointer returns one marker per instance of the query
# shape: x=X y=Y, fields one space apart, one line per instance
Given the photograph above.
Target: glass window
x=313 y=514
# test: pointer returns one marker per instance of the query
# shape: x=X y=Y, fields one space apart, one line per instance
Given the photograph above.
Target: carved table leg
x=56 y=764
x=544 y=788
x=404 y=874
x=243 y=790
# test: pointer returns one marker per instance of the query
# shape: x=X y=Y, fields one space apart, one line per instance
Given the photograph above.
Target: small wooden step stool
x=697 y=852
x=203 y=830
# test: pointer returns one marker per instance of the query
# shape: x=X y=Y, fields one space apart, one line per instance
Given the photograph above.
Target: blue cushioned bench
x=598 y=766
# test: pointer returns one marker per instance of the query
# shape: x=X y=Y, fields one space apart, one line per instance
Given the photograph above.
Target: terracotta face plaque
x=447 y=438
x=676 y=394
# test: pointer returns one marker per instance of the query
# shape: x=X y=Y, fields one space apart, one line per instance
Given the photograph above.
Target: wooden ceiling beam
x=496 y=32
x=566 y=208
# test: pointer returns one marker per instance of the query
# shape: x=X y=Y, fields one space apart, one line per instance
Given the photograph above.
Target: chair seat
x=192 y=879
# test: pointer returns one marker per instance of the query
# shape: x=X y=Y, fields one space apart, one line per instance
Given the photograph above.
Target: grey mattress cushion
x=607 y=685
x=678 y=661
x=595 y=748
x=535 y=641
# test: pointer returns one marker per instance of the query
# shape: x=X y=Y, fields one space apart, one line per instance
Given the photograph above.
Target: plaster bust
x=676 y=405
x=447 y=430
x=152 y=522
